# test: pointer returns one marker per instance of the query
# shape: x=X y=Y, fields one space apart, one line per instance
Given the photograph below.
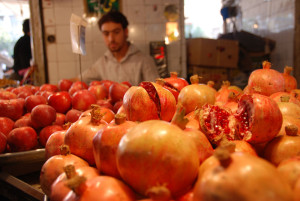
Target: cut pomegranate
x=217 y=123
x=151 y=90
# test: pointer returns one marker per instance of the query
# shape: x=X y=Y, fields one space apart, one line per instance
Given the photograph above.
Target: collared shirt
x=135 y=67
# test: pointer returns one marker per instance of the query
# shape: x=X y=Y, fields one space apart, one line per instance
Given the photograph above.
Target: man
x=22 y=53
x=123 y=61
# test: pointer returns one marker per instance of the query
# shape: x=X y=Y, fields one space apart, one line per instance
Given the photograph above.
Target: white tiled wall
x=146 y=23
x=276 y=21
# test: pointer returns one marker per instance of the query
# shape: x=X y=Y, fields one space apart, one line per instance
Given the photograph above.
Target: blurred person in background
x=22 y=53
x=123 y=61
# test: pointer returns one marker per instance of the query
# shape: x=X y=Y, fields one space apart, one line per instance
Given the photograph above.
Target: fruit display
x=160 y=141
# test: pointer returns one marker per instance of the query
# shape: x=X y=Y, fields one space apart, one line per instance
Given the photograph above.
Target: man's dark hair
x=26 y=27
x=113 y=16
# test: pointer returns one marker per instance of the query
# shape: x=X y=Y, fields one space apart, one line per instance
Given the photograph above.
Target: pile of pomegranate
x=163 y=140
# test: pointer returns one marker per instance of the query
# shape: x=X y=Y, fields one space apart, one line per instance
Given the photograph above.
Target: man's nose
x=111 y=37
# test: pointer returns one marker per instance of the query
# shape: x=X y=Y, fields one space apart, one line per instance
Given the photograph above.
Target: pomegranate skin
x=259 y=118
x=266 y=81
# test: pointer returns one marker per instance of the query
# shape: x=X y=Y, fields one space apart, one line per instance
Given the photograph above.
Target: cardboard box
x=210 y=52
x=218 y=75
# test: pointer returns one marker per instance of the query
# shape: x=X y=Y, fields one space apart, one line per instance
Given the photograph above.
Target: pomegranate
x=24 y=94
x=175 y=81
x=77 y=86
x=117 y=91
x=34 y=100
x=46 y=132
x=3 y=142
x=259 y=118
x=289 y=120
x=60 y=119
x=79 y=136
x=72 y=115
x=290 y=81
x=6 y=125
x=290 y=170
x=12 y=109
x=105 y=144
x=105 y=103
x=155 y=155
x=59 y=189
x=226 y=94
x=222 y=180
x=106 y=114
x=149 y=101
x=99 y=91
x=6 y=95
x=168 y=86
x=196 y=95
x=43 y=115
x=117 y=106
x=83 y=99
x=22 y=122
x=297 y=190
x=288 y=108
x=97 y=188
x=54 y=142
x=217 y=123
x=107 y=83
x=64 y=84
x=22 y=139
x=193 y=119
x=95 y=82
x=49 y=87
x=266 y=81
x=284 y=146
x=281 y=96
x=53 y=167
x=296 y=93
x=60 y=101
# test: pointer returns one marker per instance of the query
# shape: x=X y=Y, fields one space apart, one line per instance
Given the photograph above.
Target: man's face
x=114 y=36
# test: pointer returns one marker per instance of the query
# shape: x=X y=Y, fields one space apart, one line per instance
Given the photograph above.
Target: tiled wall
x=147 y=23
x=275 y=19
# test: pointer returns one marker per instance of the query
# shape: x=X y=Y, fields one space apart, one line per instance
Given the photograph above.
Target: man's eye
x=105 y=33
x=116 y=31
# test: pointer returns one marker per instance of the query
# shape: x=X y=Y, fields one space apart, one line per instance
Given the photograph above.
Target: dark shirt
x=22 y=53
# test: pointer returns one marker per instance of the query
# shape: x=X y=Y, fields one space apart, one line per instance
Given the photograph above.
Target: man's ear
x=126 y=32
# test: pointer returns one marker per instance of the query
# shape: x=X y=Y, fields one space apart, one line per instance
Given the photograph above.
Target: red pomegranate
x=3 y=142
x=217 y=123
x=46 y=94
x=59 y=188
x=99 y=91
x=6 y=95
x=176 y=81
x=22 y=139
x=105 y=144
x=287 y=121
x=222 y=180
x=6 y=125
x=34 y=100
x=290 y=170
x=54 y=142
x=60 y=119
x=72 y=115
x=49 y=87
x=117 y=91
x=259 y=118
x=43 y=115
x=12 y=109
x=290 y=81
x=227 y=93
x=193 y=119
x=169 y=87
x=149 y=101
x=83 y=99
x=53 y=167
x=46 y=132
x=107 y=83
x=77 y=86
x=284 y=146
x=60 y=101
x=79 y=136
x=117 y=106
x=24 y=94
x=64 y=84
x=266 y=81
x=196 y=95
x=105 y=103
x=106 y=114
x=97 y=188
x=22 y=122
x=155 y=155
x=297 y=191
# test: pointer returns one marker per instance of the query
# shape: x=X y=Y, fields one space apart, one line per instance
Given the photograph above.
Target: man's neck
x=121 y=54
